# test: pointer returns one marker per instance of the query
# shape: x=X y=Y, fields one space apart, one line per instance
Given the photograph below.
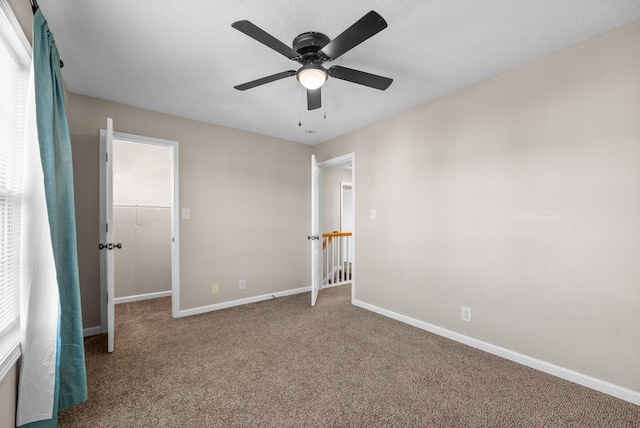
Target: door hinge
x=106 y=157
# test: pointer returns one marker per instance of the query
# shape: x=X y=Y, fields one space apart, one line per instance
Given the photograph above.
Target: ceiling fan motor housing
x=308 y=44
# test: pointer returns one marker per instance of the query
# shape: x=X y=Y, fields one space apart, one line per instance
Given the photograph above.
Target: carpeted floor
x=281 y=363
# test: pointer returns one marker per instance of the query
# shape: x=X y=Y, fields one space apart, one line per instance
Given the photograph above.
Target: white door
x=315 y=237
x=106 y=231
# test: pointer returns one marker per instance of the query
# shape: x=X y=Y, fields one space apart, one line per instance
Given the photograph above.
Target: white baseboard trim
x=92 y=331
x=552 y=369
x=139 y=297
x=232 y=303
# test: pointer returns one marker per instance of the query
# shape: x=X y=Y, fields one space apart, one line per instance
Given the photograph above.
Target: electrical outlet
x=215 y=288
x=466 y=314
x=242 y=284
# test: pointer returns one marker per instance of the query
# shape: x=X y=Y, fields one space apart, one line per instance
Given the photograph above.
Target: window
x=14 y=75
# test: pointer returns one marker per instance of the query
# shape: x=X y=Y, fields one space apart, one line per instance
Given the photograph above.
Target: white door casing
x=107 y=260
x=316 y=220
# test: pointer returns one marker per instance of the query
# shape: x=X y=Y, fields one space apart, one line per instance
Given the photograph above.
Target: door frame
x=348 y=158
x=175 y=218
x=344 y=185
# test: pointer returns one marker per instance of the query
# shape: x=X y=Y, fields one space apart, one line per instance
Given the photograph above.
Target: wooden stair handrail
x=331 y=235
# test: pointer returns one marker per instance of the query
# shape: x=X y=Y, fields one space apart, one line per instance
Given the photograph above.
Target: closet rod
x=140 y=206
x=34 y=7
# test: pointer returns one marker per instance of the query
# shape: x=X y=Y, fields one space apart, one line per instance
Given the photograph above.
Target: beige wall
x=331 y=178
x=8 y=398
x=22 y=11
x=248 y=195
x=517 y=197
x=86 y=182
x=143 y=264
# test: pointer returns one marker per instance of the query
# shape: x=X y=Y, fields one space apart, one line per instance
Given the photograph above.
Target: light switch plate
x=186 y=213
x=374 y=214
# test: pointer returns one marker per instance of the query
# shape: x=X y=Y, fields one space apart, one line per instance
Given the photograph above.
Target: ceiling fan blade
x=360 y=77
x=265 y=38
x=264 y=80
x=370 y=24
x=314 y=99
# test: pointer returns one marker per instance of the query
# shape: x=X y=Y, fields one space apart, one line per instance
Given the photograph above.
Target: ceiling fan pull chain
x=299 y=104
x=324 y=101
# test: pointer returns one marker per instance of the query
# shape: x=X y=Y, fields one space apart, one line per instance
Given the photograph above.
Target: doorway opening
x=141 y=220
x=333 y=224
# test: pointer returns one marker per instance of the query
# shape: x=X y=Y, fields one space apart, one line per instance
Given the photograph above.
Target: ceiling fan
x=312 y=49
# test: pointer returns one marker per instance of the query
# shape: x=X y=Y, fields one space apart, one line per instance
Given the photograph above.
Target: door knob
x=109 y=246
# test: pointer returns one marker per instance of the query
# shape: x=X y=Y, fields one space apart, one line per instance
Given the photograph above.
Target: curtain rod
x=34 y=7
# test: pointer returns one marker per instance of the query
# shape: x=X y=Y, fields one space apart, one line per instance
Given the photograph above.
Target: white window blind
x=14 y=74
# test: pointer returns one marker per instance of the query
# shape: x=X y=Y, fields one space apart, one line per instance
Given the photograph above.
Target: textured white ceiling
x=183 y=57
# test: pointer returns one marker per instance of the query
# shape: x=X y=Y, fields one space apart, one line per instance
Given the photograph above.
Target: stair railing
x=337 y=249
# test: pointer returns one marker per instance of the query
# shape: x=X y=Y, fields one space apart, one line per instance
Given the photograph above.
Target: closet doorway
x=141 y=220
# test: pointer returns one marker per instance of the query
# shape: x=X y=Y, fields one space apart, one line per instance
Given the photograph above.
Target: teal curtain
x=55 y=153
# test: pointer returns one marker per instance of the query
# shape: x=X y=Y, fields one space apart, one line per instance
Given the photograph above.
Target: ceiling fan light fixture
x=311 y=76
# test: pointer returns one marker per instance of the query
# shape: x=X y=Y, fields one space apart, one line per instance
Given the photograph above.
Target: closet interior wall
x=143 y=264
